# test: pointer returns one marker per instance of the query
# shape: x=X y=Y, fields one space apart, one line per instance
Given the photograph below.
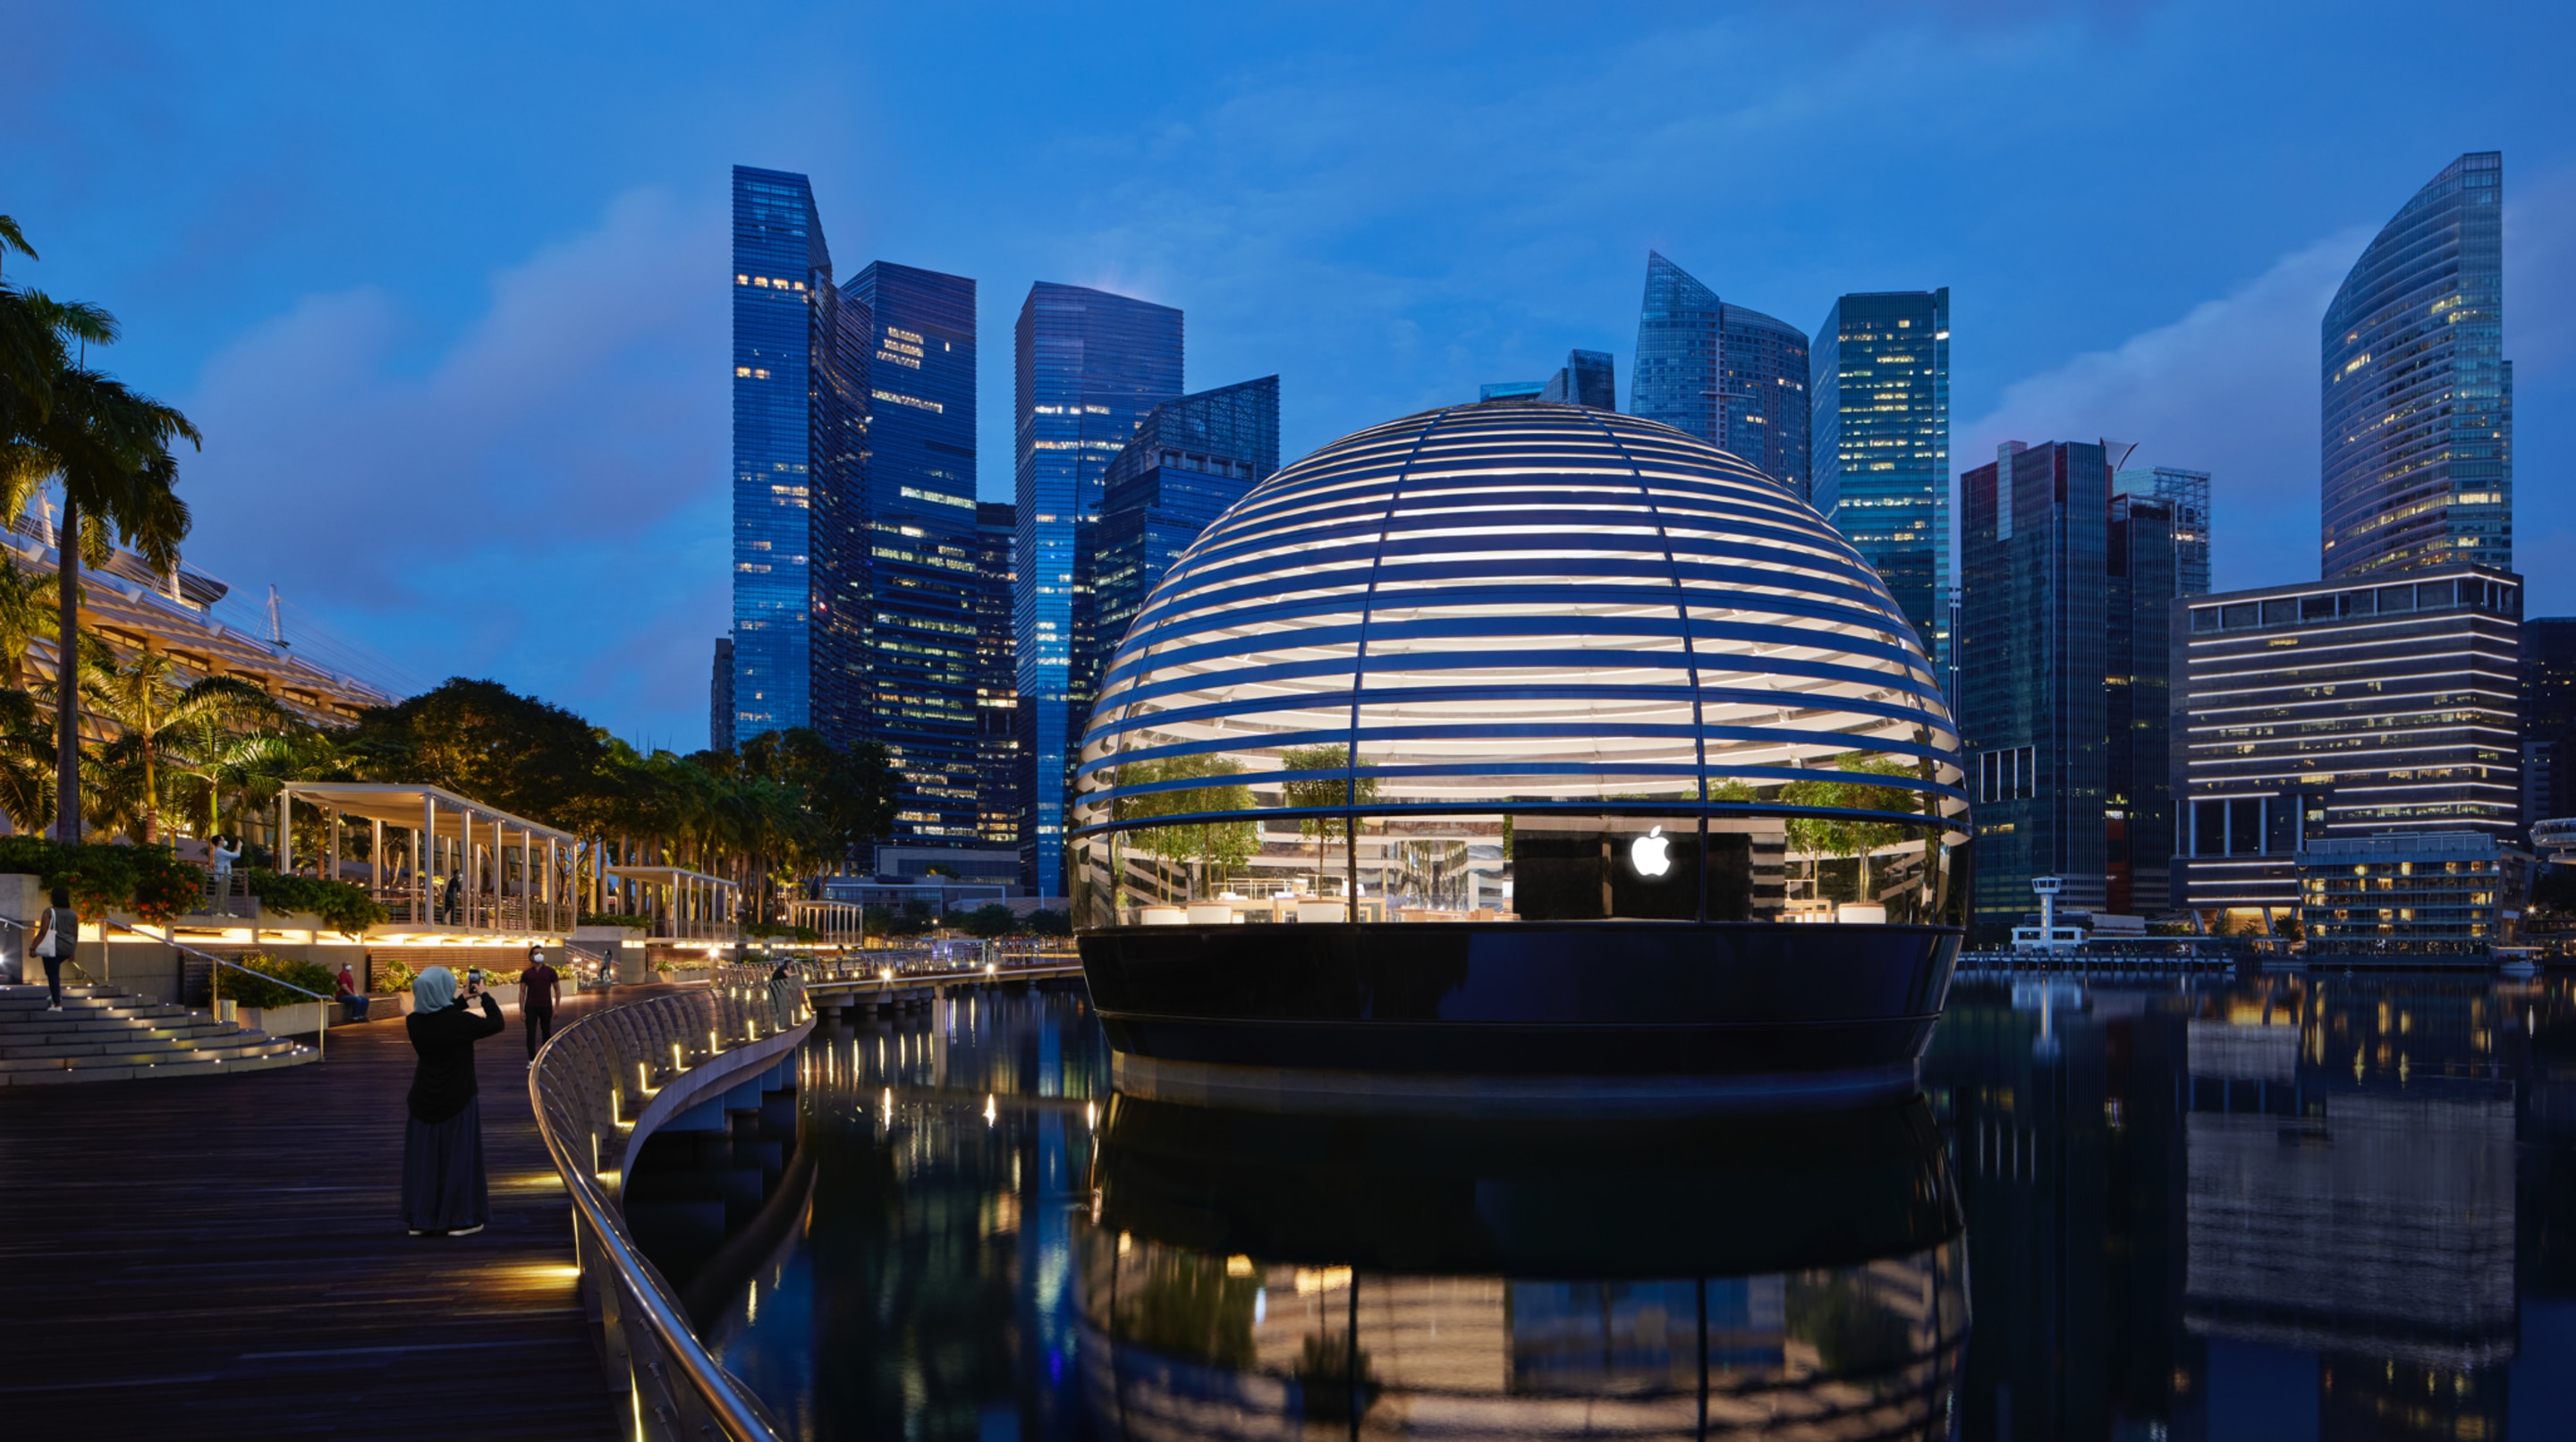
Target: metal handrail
x=321 y=1034
x=23 y=958
x=600 y=1062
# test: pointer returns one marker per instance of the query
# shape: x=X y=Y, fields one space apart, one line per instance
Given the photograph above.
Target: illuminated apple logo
x=1651 y=854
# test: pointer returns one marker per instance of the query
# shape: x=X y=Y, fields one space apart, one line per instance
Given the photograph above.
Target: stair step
x=166 y=1069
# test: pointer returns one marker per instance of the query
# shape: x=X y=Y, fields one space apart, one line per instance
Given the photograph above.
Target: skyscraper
x=1191 y=459
x=2417 y=394
x=913 y=598
x=1588 y=378
x=1090 y=365
x=1880 y=464
x=1733 y=377
x=799 y=423
x=720 y=698
x=2548 y=719
x=2138 y=704
x=2034 y=557
x=999 y=801
x=2186 y=495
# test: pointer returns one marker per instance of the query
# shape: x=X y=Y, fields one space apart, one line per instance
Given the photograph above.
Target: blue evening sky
x=446 y=285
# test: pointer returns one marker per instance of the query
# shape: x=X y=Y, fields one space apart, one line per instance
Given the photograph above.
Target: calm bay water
x=2284 y=1207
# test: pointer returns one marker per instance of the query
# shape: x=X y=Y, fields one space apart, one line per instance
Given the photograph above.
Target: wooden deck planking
x=224 y=1257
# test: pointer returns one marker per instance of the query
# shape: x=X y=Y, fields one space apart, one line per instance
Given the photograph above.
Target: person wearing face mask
x=537 y=1000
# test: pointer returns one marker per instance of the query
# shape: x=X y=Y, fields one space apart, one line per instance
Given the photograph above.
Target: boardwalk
x=224 y=1257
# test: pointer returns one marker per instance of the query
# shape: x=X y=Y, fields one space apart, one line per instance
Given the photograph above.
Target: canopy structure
x=834 y=923
x=685 y=905
x=445 y=867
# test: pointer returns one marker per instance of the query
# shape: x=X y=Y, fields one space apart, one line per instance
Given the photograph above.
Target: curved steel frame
x=1517 y=607
x=591 y=1100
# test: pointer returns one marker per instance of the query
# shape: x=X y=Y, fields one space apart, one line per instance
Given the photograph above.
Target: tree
x=109 y=448
x=1222 y=845
x=138 y=695
x=25 y=618
x=1352 y=789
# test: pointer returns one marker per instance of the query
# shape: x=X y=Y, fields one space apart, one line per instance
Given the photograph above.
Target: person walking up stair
x=56 y=936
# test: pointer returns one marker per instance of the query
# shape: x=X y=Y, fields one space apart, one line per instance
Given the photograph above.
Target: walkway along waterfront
x=224 y=1257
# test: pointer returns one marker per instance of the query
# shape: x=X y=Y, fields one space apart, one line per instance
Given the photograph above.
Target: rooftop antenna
x=276 y=632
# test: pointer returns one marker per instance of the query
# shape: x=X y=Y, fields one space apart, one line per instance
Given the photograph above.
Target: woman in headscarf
x=443 y=1187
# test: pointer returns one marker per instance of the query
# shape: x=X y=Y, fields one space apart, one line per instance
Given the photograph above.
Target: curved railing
x=599 y=1085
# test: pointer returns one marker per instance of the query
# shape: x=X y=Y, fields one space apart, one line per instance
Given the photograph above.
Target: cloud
x=2231 y=388
x=542 y=501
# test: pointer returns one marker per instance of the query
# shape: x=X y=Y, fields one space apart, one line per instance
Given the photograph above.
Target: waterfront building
x=2186 y=495
x=2137 y=703
x=2330 y=710
x=2421 y=893
x=1191 y=459
x=913 y=596
x=2034 y=557
x=1732 y=376
x=1588 y=378
x=1507 y=663
x=2064 y=667
x=720 y=698
x=999 y=801
x=800 y=365
x=1879 y=467
x=2417 y=395
x=1089 y=366
x=2548 y=719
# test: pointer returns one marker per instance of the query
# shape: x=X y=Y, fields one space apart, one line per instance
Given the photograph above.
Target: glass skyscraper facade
x=1192 y=458
x=2138 y=817
x=2034 y=551
x=1880 y=464
x=1089 y=367
x=999 y=800
x=914 y=596
x=1733 y=377
x=800 y=363
x=2417 y=394
x=1588 y=378
x=2186 y=495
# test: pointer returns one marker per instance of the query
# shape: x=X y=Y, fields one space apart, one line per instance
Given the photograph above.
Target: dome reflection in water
x=1246 y=1273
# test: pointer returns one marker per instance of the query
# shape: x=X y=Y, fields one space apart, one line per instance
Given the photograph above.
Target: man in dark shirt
x=537 y=999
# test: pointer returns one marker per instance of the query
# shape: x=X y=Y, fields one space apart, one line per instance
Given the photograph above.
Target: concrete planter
x=684 y=974
x=302 y=1017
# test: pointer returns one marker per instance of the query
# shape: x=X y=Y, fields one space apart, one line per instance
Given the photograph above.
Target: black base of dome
x=1467 y=1016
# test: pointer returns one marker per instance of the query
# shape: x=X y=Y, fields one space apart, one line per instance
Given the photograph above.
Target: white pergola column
x=424 y=853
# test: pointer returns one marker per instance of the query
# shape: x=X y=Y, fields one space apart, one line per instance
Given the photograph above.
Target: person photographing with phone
x=444 y=1190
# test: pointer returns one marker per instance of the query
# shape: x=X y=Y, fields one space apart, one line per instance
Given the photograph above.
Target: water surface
x=2276 y=1207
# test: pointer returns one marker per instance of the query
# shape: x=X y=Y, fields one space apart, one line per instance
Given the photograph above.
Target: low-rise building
x=2439 y=893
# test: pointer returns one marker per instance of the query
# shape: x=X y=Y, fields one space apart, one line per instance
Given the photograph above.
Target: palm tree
x=109 y=448
x=24 y=620
x=247 y=770
x=138 y=695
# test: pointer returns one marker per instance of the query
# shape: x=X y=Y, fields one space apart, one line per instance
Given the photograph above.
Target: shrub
x=146 y=880
x=344 y=906
x=233 y=986
x=394 y=976
x=616 y=918
x=1047 y=922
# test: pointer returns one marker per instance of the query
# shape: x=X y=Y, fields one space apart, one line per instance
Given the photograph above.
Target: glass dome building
x=1513 y=679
